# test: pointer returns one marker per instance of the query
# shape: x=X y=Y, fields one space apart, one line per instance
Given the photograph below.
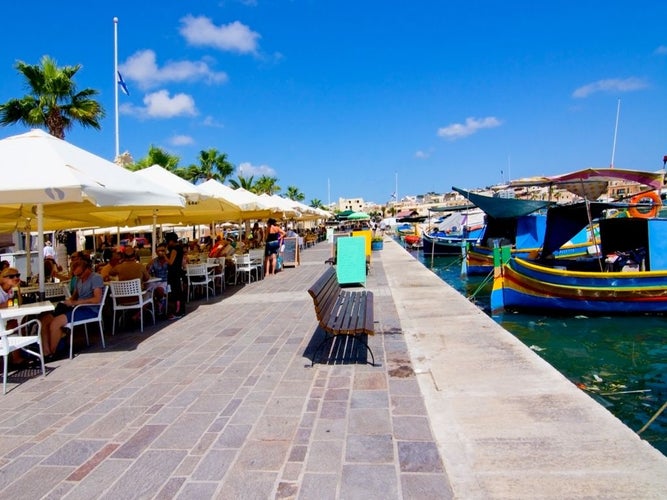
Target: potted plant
x=377 y=243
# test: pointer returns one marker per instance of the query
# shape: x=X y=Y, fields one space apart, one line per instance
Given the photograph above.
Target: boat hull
x=522 y=285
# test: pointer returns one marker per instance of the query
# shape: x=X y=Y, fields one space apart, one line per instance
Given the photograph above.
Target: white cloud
x=422 y=155
x=471 y=126
x=209 y=121
x=233 y=37
x=247 y=169
x=161 y=105
x=142 y=67
x=613 y=85
x=181 y=140
x=661 y=50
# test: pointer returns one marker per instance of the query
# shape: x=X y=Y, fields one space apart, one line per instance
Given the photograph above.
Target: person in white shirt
x=49 y=251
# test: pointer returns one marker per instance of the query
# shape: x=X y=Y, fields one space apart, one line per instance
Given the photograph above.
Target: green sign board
x=351 y=260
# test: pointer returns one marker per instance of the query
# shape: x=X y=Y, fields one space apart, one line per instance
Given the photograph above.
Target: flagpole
x=115 y=81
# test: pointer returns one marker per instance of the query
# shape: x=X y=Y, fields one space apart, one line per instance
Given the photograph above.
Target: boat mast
x=613 y=148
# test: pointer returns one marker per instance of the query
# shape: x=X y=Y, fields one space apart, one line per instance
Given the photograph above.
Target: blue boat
x=629 y=276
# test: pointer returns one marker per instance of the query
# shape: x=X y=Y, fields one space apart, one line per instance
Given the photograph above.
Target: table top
x=26 y=309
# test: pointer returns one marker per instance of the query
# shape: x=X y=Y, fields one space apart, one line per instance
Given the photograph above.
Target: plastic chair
x=95 y=319
x=245 y=267
x=11 y=341
x=56 y=291
x=217 y=272
x=127 y=295
x=199 y=276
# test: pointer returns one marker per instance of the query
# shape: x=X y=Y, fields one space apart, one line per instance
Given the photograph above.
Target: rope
x=484 y=282
x=662 y=408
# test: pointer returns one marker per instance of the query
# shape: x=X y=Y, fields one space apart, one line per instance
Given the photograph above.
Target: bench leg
x=329 y=337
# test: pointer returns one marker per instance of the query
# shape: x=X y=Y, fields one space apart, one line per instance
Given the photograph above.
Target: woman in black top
x=274 y=235
x=175 y=274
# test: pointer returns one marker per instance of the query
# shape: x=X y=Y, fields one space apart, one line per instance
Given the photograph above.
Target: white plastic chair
x=217 y=272
x=199 y=276
x=127 y=295
x=95 y=319
x=245 y=267
x=56 y=291
x=11 y=341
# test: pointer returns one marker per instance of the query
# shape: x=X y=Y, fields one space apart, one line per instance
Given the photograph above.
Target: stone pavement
x=224 y=404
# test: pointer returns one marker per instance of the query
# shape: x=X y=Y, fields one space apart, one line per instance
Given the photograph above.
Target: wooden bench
x=340 y=311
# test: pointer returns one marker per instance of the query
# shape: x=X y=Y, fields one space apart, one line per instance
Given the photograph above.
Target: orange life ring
x=639 y=201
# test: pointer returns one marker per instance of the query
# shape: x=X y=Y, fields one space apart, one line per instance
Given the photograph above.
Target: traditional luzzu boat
x=516 y=222
x=456 y=231
x=628 y=277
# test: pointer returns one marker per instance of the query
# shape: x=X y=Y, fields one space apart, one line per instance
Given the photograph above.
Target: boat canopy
x=565 y=221
x=504 y=208
x=591 y=183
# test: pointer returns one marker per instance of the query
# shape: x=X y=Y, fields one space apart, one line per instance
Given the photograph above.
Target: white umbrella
x=201 y=207
x=44 y=171
x=251 y=205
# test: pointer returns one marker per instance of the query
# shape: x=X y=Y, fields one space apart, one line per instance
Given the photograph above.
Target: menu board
x=290 y=252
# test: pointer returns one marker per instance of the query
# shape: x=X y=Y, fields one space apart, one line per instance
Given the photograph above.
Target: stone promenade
x=223 y=403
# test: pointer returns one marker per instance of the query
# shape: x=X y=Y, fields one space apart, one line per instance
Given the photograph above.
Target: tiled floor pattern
x=224 y=404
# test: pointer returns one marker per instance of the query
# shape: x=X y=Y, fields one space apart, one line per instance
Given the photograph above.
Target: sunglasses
x=13 y=276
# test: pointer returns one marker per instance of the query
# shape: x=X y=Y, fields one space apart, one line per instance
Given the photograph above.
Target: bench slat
x=341 y=311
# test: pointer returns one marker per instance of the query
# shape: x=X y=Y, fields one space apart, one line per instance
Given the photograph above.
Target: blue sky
x=344 y=98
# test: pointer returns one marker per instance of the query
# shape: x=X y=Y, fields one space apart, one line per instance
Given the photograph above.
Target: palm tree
x=266 y=184
x=293 y=193
x=243 y=182
x=53 y=101
x=212 y=165
x=315 y=203
x=158 y=156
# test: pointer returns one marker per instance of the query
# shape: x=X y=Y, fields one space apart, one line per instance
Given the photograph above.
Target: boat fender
x=640 y=207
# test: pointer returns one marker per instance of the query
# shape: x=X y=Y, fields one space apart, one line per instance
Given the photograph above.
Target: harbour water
x=621 y=362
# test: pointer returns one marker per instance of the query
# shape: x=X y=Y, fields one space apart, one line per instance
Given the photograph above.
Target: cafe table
x=18 y=313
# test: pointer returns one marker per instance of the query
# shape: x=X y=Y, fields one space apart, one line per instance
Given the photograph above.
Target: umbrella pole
x=154 y=234
x=27 y=246
x=40 y=248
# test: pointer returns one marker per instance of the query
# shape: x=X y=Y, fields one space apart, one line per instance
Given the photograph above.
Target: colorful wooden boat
x=630 y=276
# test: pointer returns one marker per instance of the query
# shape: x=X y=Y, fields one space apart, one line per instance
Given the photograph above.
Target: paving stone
x=316 y=486
x=324 y=456
x=214 y=465
x=233 y=436
x=426 y=486
x=369 y=421
x=361 y=481
x=139 y=441
x=369 y=449
x=419 y=457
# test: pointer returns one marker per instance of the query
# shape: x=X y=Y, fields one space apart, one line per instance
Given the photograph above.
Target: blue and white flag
x=121 y=82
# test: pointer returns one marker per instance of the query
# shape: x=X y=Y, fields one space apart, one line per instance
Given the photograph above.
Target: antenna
x=613 y=148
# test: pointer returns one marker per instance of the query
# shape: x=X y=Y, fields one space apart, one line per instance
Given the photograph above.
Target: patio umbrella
x=201 y=207
x=358 y=216
x=47 y=176
x=251 y=205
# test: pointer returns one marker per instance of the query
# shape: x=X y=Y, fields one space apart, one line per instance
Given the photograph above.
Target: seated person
x=115 y=259
x=158 y=268
x=130 y=268
x=51 y=269
x=10 y=277
x=88 y=290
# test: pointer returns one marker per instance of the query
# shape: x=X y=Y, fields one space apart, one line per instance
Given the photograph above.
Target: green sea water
x=621 y=362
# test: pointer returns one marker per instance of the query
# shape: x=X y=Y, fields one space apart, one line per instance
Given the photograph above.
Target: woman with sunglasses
x=10 y=278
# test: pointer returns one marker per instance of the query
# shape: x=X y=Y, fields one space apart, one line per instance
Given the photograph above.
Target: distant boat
x=454 y=232
x=629 y=276
x=517 y=222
